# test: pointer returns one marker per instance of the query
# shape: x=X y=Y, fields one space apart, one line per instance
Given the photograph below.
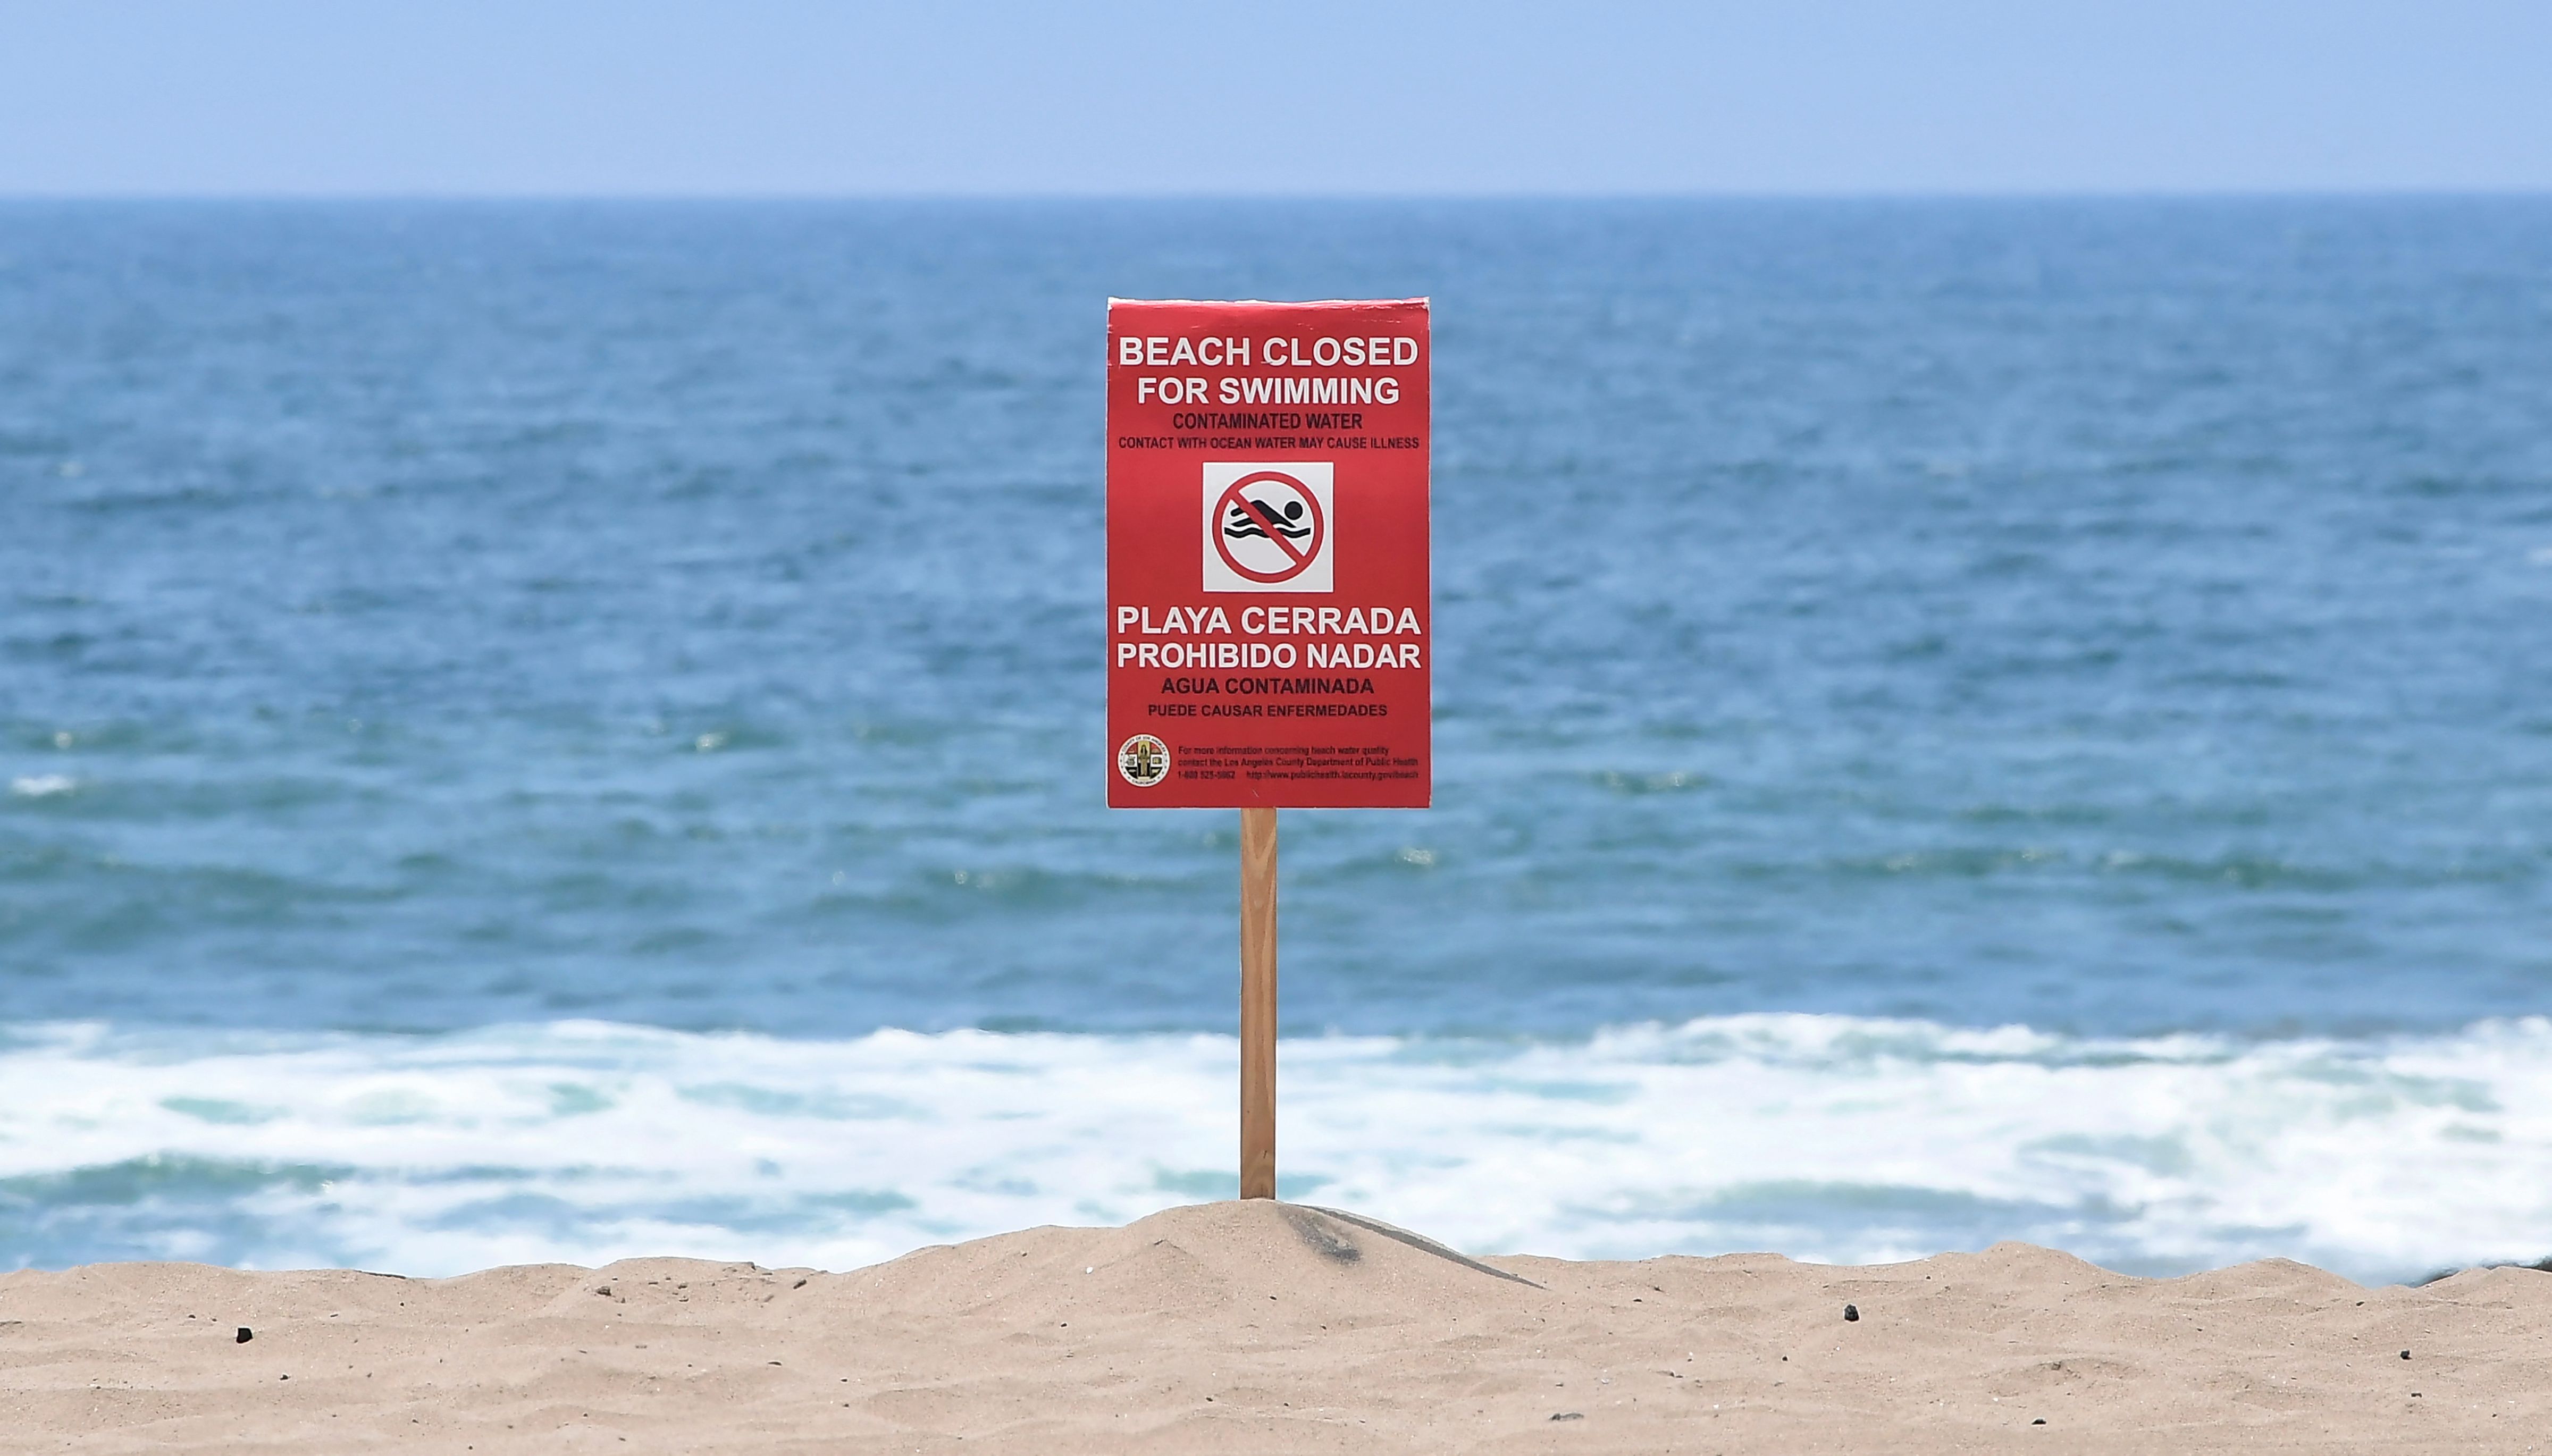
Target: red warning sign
x=1270 y=629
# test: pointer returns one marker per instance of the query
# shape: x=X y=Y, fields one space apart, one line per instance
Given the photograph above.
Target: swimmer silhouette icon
x=1258 y=517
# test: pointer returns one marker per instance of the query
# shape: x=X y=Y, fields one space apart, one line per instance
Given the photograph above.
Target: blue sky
x=765 y=97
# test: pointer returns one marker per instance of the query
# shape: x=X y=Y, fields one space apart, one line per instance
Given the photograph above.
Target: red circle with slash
x=1301 y=556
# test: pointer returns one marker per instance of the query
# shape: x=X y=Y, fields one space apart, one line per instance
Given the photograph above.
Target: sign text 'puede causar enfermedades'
x=1270 y=639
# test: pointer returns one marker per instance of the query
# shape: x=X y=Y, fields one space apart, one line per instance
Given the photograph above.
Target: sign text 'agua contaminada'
x=1269 y=627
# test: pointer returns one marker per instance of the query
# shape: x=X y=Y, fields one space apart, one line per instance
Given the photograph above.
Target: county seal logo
x=1143 y=760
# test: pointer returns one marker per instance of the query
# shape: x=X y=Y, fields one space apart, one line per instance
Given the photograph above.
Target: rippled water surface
x=436 y=638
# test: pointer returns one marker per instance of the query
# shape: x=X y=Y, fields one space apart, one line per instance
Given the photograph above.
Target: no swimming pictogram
x=1275 y=515
x=1267 y=527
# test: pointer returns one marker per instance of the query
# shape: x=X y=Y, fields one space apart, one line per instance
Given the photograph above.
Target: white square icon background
x=1277 y=533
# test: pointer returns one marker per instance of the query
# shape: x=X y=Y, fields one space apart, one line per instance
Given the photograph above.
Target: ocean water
x=556 y=731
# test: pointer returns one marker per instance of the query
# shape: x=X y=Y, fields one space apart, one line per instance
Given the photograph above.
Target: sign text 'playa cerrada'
x=1270 y=633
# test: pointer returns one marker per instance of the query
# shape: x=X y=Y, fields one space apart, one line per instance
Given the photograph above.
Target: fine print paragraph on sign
x=1269 y=603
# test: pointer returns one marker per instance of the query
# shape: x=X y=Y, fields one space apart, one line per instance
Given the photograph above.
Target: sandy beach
x=1277 y=1328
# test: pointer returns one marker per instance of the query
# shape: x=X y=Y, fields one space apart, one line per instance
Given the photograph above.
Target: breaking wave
x=1833 y=1138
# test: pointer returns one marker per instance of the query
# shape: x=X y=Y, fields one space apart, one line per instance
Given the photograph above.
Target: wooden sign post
x=1269 y=596
x=1258 y=1003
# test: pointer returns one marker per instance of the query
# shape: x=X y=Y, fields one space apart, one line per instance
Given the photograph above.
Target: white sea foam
x=1831 y=1138
x=42 y=785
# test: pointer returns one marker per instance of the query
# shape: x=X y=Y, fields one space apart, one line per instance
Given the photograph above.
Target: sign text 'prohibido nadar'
x=1269 y=640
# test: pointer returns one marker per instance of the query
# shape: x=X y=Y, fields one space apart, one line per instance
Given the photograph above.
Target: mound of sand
x=1277 y=1328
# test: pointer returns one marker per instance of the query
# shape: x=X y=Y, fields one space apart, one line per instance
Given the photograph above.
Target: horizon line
x=2421 y=192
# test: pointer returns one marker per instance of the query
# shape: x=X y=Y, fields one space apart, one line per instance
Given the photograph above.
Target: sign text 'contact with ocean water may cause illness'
x=1269 y=638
